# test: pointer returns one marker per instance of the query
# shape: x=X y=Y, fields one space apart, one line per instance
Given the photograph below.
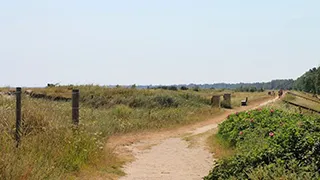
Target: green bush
x=166 y=101
x=197 y=89
x=267 y=139
x=173 y=88
x=184 y=88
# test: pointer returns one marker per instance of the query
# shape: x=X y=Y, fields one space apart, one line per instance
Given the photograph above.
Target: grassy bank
x=303 y=102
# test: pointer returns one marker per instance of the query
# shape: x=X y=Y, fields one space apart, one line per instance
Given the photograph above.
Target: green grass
x=51 y=148
x=219 y=148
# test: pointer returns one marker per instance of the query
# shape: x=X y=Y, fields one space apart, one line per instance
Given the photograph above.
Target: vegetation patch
x=52 y=148
x=270 y=144
x=219 y=147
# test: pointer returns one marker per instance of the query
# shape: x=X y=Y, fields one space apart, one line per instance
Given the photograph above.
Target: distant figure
x=280 y=93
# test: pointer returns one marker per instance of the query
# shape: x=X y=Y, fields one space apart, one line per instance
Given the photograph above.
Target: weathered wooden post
x=227 y=100
x=215 y=101
x=75 y=106
x=18 y=115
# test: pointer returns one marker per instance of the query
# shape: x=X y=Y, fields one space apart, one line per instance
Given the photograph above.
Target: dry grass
x=252 y=97
x=52 y=149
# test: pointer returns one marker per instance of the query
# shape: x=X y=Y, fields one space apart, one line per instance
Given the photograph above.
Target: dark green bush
x=173 y=88
x=184 y=88
x=265 y=139
x=165 y=101
x=197 y=89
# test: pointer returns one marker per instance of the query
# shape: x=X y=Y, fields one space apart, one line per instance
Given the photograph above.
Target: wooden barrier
x=215 y=101
x=227 y=100
x=304 y=97
x=75 y=106
x=303 y=107
x=18 y=115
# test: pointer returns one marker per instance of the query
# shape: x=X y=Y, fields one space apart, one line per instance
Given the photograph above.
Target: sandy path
x=171 y=159
x=166 y=155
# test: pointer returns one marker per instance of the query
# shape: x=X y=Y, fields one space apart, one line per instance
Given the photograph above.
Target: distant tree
x=318 y=81
x=253 y=89
x=184 y=88
x=134 y=86
x=196 y=88
x=309 y=81
x=173 y=88
x=164 y=87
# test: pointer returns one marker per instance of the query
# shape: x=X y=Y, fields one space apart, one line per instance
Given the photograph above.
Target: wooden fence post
x=18 y=115
x=227 y=100
x=215 y=101
x=75 y=106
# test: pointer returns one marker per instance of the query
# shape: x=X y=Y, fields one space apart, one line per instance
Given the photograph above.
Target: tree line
x=286 y=84
x=309 y=81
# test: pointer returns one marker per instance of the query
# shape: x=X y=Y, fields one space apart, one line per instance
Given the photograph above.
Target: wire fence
x=11 y=110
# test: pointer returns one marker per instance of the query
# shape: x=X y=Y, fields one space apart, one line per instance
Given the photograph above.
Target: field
x=52 y=148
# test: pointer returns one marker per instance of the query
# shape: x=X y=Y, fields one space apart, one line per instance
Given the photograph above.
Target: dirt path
x=169 y=154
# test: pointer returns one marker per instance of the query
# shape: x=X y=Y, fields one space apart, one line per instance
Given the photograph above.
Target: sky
x=156 y=42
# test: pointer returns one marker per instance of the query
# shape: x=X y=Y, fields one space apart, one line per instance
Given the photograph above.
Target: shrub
x=165 y=101
x=173 y=88
x=269 y=138
x=121 y=112
x=184 y=88
x=197 y=89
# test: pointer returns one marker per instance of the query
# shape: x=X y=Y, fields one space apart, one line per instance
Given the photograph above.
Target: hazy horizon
x=156 y=42
x=128 y=85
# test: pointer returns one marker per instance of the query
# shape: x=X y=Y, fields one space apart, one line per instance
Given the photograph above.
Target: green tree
x=309 y=82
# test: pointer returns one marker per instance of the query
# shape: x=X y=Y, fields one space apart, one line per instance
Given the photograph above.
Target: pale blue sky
x=156 y=41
